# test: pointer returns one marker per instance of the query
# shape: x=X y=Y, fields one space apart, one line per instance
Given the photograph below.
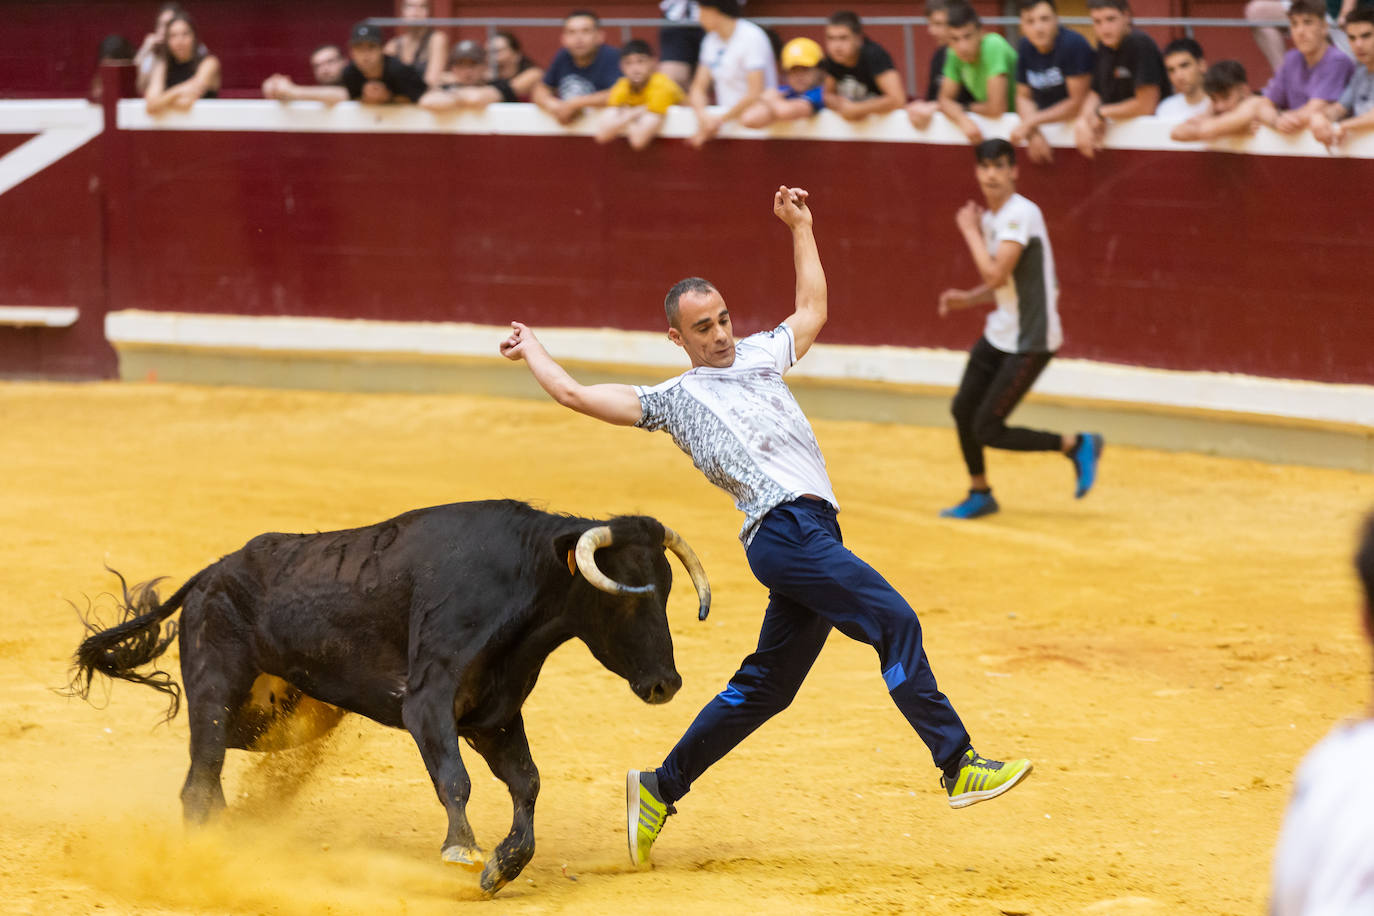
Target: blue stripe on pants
x=814 y=583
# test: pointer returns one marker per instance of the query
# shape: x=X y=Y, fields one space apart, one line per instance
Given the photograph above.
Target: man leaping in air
x=735 y=416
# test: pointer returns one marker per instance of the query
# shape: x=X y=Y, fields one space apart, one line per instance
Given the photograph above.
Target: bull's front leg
x=428 y=716
x=507 y=752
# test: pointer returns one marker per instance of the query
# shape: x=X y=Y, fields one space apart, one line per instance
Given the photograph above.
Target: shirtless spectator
x=509 y=63
x=371 y=76
x=1233 y=105
x=1054 y=68
x=1354 y=111
x=184 y=72
x=1128 y=76
x=466 y=84
x=860 y=77
x=583 y=71
x=151 y=48
x=1312 y=76
x=421 y=47
x=737 y=62
x=1185 y=65
x=327 y=65
x=981 y=62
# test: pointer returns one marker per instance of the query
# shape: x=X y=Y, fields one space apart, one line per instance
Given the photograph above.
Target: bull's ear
x=564 y=548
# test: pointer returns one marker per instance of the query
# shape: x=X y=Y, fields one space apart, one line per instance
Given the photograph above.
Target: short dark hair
x=1364 y=559
x=1122 y=5
x=1362 y=13
x=994 y=149
x=1023 y=5
x=726 y=7
x=510 y=39
x=637 y=46
x=850 y=20
x=962 y=14
x=694 y=285
x=936 y=6
x=577 y=14
x=327 y=46
x=1223 y=76
x=1307 y=8
x=115 y=47
x=1184 y=45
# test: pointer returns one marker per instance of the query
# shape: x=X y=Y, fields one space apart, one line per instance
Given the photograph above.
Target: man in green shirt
x=983 y=63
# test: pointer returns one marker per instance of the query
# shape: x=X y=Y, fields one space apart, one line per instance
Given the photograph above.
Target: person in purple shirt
x=1312 y=75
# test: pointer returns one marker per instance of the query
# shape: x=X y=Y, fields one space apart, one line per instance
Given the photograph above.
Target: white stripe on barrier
x=38 y=316
x=1073 y=378
x=63 y=126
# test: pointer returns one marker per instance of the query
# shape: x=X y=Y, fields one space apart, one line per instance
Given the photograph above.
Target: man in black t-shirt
x=860 y=77
x=465 y=84
x=1128 y=78
x=923 y=109
x=372 y=76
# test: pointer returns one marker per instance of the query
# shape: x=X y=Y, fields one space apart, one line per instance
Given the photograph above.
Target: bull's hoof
x=469 y=857
x=492 y=880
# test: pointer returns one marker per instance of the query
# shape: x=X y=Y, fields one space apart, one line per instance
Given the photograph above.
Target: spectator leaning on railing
x=422 y=47
x=860 y=77
x=983 y=63
x=184 y=72
x=736 y=61
x=937 y=27
x=1185 y=65
x=583 y=71
x=1053 y=72
x=1232 y=105
x=151 y=48
x=1128 y=76
x=640 y=98
x=1312 y=75
x=371 y=76
x=1354 y=111
x=802 y=91
x=509 y=63
x=465 y=85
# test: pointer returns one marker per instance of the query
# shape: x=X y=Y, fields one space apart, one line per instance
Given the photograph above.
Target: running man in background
x=1011 y=248
x=1325 y=858
x=733 y=414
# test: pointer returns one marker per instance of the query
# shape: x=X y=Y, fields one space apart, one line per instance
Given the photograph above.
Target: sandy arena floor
x=1165 y=651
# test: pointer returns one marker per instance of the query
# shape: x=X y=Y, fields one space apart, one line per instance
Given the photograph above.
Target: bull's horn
x=674 y=542
x=587 y=545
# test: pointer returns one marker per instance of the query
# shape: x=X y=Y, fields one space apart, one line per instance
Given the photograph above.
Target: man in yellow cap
x=800 y=95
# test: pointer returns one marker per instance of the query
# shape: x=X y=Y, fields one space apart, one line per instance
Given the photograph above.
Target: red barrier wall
x=1176 y=260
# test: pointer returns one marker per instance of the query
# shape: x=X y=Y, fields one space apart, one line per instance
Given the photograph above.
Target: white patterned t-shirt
x=742 y=428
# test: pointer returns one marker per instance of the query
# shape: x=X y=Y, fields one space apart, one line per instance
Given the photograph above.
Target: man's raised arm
x=616 y=404
x=789 y=205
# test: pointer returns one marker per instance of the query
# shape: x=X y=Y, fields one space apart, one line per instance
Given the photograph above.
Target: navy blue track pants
x=814 y=583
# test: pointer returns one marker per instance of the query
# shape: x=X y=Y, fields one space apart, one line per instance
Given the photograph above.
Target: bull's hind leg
x=218 y=678
x=507 y=752
x=428 y=716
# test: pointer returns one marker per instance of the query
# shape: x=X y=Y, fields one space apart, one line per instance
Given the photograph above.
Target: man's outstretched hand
x=521 y=339
x=789 y=205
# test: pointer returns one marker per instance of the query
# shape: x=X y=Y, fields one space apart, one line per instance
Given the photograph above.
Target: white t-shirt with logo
x=1324 y=863
x=731 y=62
x=742 y=427
x=1026 y=319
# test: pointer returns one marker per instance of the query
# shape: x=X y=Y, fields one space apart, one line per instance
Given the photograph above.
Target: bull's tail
x=135 y=640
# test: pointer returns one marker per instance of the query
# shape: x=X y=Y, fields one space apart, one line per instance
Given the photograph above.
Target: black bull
x=437 y=621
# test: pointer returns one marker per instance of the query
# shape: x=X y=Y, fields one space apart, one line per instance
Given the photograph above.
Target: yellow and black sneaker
x=980 y=779
x=646 y=812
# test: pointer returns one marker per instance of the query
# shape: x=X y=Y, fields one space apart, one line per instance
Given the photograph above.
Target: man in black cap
x=466 y=84
x=371 y=76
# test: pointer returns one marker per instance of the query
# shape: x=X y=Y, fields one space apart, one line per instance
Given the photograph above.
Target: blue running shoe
x=975 y=505
x=1085 y=457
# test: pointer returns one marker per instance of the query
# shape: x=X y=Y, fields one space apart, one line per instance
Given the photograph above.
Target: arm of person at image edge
x=1272 y=110
x=1076 y=84
x=1001 y=68
x=892 y=97
x=1333 y=124
x=619 y=404
x=159 y=98
x=993 y=269
x=708 y=125
x=1091 y=126
x=565 y=111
